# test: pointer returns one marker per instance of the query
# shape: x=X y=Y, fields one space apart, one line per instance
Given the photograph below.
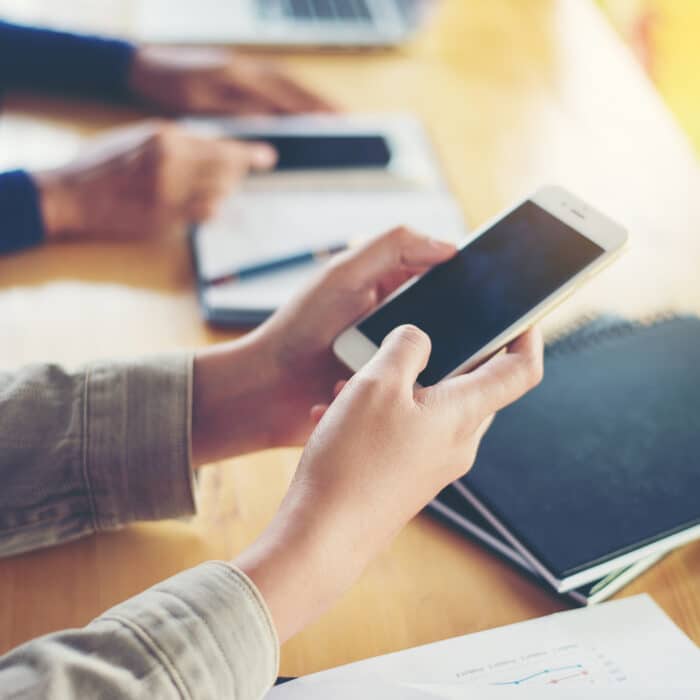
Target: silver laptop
x=300 y=23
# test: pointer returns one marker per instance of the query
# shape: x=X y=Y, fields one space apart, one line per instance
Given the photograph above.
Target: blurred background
x=664 y=36
x=514 y=93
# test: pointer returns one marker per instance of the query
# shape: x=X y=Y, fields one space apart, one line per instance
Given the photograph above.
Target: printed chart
x=625 y=649
x=567 y=665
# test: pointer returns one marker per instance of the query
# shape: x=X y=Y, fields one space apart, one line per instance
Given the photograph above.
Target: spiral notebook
x=599 y=466
x=453 y=510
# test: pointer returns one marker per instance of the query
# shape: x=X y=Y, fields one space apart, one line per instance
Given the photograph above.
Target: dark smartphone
x=326 y=152
x=493 y=282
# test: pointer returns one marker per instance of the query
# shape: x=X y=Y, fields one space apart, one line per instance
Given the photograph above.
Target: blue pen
x=305 y=257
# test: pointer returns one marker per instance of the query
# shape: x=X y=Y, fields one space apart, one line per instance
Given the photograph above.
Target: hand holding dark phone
x=326 y=152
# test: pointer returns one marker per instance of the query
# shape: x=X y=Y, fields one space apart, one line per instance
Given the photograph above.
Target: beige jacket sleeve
x=94 y=450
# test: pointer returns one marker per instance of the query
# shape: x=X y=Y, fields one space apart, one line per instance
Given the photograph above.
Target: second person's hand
x=216 y=81
x=143 y=180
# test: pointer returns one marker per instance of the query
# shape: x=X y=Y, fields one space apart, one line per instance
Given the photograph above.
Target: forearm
x=203 y=634
x=41 y=59
x=306 y=559
x=93 y=449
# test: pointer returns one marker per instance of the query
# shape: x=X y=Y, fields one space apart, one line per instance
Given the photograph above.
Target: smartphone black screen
x=503 y=274
x=325 y=152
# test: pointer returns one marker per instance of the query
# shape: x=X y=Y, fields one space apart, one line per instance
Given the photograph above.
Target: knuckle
x=465 y=427
x=339 y=272
x=398 y=234
x=405 y=234
x=392 y=383
x=383 y=386
x=368 y=384
x=333 y=270
x=165 y=139
x=534 y=371
x=160 y=136
x=335 y=265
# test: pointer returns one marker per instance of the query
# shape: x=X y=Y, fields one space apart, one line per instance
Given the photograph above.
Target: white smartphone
x=505 y=277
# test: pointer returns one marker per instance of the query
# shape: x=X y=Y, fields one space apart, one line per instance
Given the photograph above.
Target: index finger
x=278 y=92
x=243 y=155
x=399 y=250
x=302 y=98
x=504 y=378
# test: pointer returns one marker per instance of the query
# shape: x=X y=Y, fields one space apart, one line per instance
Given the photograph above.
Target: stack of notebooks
x=594 y=476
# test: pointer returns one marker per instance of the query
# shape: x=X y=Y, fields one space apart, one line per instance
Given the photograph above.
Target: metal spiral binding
x=574 y=337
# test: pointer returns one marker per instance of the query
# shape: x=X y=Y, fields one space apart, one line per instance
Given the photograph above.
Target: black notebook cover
x=603 y=458
x=453 y=510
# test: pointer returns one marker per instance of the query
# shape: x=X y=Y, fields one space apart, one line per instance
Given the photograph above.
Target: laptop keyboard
x=317 y=10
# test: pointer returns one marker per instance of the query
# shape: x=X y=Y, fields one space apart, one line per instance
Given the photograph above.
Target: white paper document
x=627 y=648
x=349 y=690
x=285 y=213
x=255 y=227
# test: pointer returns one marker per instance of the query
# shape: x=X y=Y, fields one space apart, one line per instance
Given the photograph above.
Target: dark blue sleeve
x=21 y=225
x=41 y=59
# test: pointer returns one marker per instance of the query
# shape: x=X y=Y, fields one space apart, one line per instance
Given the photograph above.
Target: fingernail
x=263 y=156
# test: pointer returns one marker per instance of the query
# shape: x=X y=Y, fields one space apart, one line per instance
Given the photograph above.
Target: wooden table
x=515 y=94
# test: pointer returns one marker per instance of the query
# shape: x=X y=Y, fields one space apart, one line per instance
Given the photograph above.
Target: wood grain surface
x=515 y=94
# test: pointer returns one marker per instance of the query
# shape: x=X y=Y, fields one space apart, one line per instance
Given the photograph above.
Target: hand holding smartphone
x=506 y=277
x=326 y=151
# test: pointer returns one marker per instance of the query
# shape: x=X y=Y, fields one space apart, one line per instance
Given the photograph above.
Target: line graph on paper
x=554 y=676
x=566 y=666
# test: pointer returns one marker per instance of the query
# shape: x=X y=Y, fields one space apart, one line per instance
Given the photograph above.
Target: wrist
x=233 y=385
x=139 y=78
x=59 y=208
x=300 y=565
x=148 y=82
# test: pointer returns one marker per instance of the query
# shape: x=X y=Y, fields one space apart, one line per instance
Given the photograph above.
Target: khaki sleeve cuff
x=209 y=629
x=136 y=453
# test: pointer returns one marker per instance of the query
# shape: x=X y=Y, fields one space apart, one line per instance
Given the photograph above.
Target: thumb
x=403 y=355
x=262 y=156
x=246 y=155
